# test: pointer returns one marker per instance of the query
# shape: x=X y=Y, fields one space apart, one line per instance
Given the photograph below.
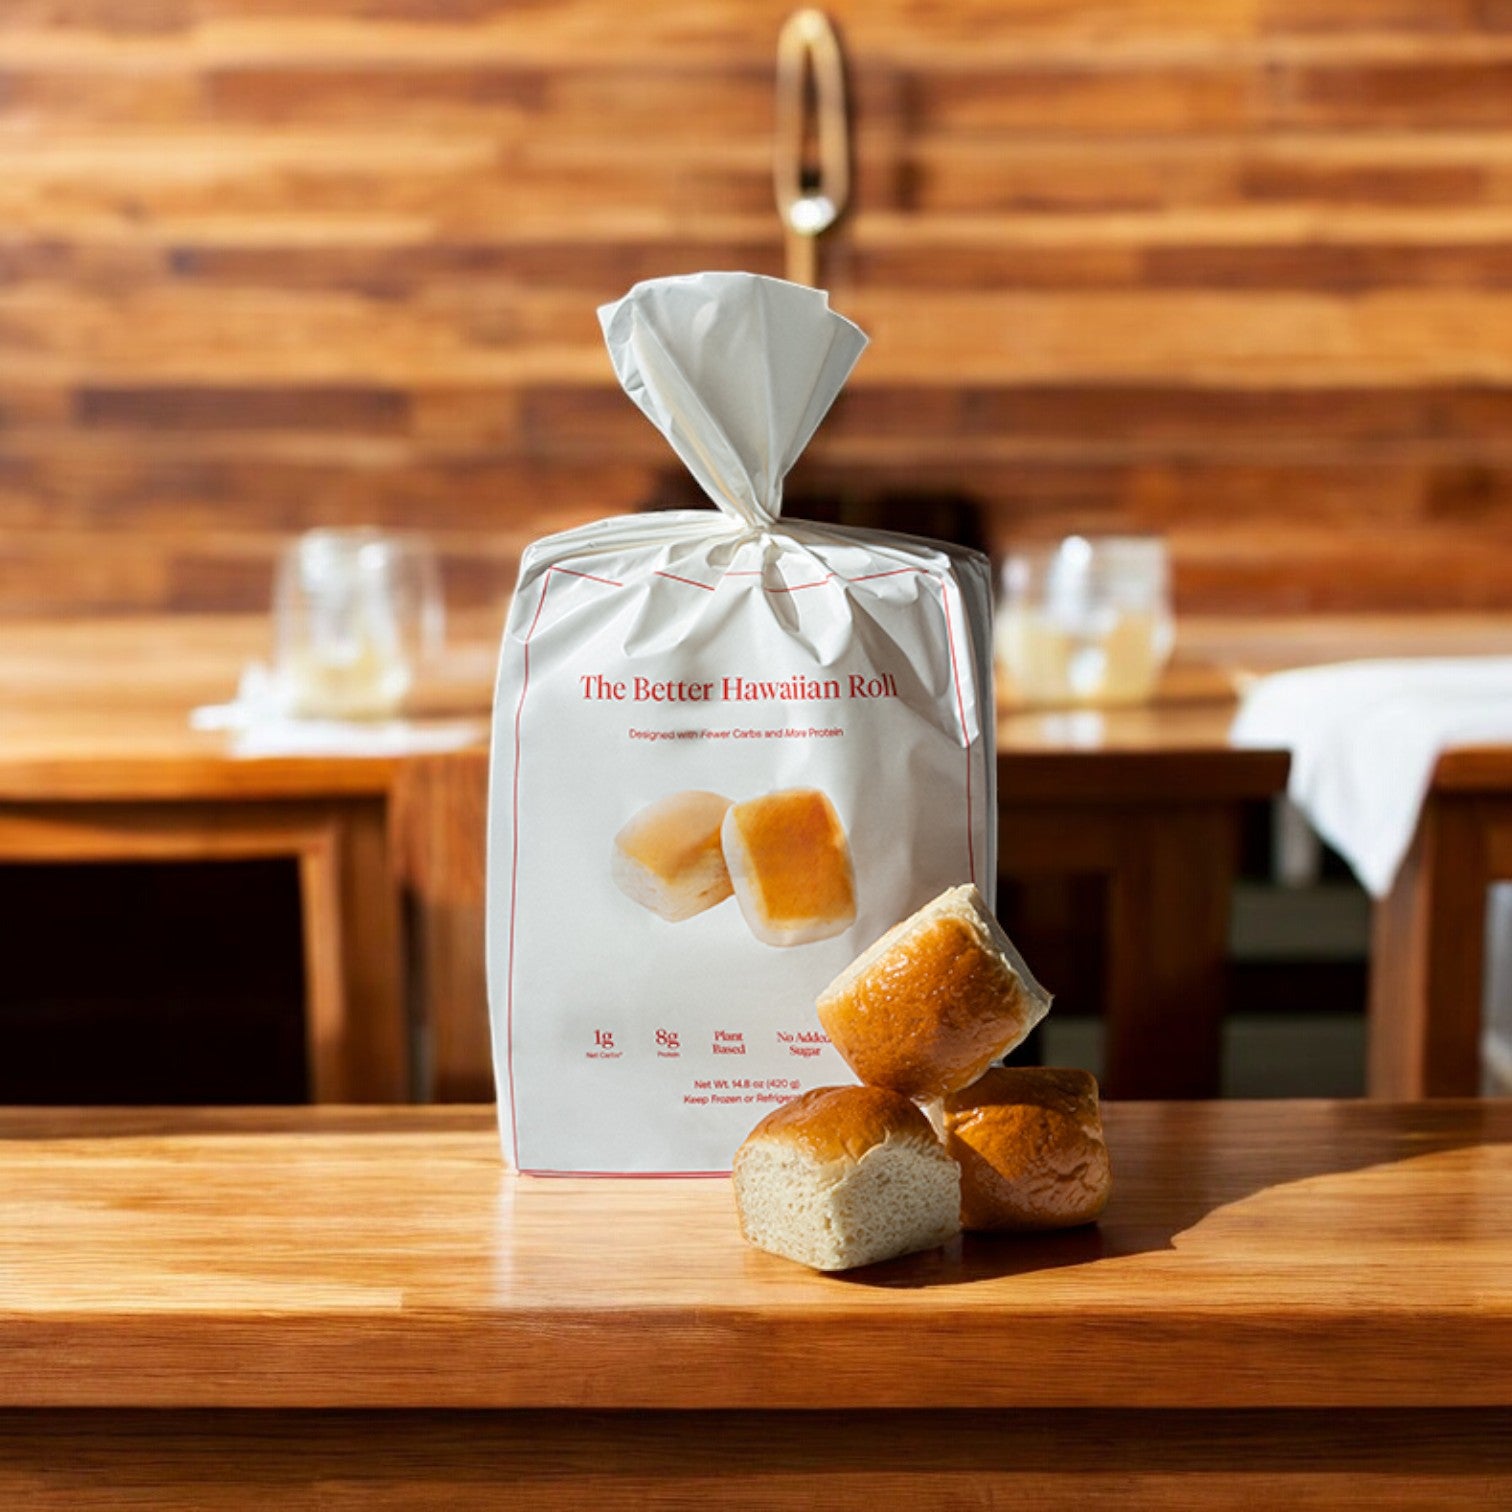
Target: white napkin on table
x=1365 y=737
x=260 y=726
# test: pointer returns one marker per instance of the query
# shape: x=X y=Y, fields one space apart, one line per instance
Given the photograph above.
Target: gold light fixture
x=811 y=169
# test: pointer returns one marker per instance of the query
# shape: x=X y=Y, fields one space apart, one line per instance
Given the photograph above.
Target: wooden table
x=98 y=763
x=1428 y=950
x=1305 y=1304
x=1151 y=801
x=1148 y=799
x=1427 y=971
x=96 y=759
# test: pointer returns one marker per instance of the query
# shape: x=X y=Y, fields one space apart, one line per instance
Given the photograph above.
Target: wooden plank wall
x=1240 y=270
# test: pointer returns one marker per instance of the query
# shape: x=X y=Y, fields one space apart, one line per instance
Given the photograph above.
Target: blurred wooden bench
x=1428 y=949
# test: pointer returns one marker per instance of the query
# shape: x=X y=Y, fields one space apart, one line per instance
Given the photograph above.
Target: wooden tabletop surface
x=99 y=709
x=1254 y=1254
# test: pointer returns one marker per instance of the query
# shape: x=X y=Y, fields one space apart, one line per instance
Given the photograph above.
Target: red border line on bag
x=955 y=676
x=572 y=572
x=514 y=866
x=817 y=583
x=514 y=837
x=514 y=861
x=672 y=577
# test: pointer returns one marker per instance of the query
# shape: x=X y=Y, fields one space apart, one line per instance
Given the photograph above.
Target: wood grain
x=1240 y=272
x=1145 y=799
x=98 y=763
x=98 y=709
x=852 y=1462
x=439 y=821
x=1252 y=1256
x=356 y=1031
x=1429 y=935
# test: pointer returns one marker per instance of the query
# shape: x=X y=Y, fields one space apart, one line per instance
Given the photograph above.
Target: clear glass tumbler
x=356 y=613
x=1086 y=621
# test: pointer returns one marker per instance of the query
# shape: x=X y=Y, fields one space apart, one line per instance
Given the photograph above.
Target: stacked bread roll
x=847 y=1176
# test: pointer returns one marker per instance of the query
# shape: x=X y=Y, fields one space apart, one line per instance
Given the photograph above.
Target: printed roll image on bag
x=730 y=750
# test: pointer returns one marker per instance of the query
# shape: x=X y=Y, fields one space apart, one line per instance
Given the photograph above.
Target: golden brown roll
x=1029 y=1141
x=791 y=866
x=845 y=1176
x=668 y=857
x=935 y=1001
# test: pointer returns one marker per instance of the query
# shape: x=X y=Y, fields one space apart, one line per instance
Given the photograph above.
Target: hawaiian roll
x=935 y=1001
x=846 y=1176
x=1029 y=1141
x=790 y=864
x=668 y=857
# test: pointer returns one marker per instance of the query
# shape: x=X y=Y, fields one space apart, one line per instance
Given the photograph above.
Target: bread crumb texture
x=845 y=1176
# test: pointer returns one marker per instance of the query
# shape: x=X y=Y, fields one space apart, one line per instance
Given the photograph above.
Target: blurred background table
x=1148 y=800
x=97 y=762
x=1431 y=941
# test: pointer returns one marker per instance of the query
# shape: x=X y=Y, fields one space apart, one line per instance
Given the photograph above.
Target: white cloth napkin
x=1364 y=739
x=259 y=726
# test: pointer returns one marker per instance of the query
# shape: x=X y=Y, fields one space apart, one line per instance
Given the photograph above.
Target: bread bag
x=729 y=750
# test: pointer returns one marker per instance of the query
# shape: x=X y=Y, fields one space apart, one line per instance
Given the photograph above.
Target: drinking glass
x=1086 y=621
x=357 y=612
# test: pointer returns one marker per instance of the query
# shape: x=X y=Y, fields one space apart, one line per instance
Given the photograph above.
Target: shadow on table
x=1183 y=1173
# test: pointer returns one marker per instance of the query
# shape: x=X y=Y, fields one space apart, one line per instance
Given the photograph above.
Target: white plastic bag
x=693 y=702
